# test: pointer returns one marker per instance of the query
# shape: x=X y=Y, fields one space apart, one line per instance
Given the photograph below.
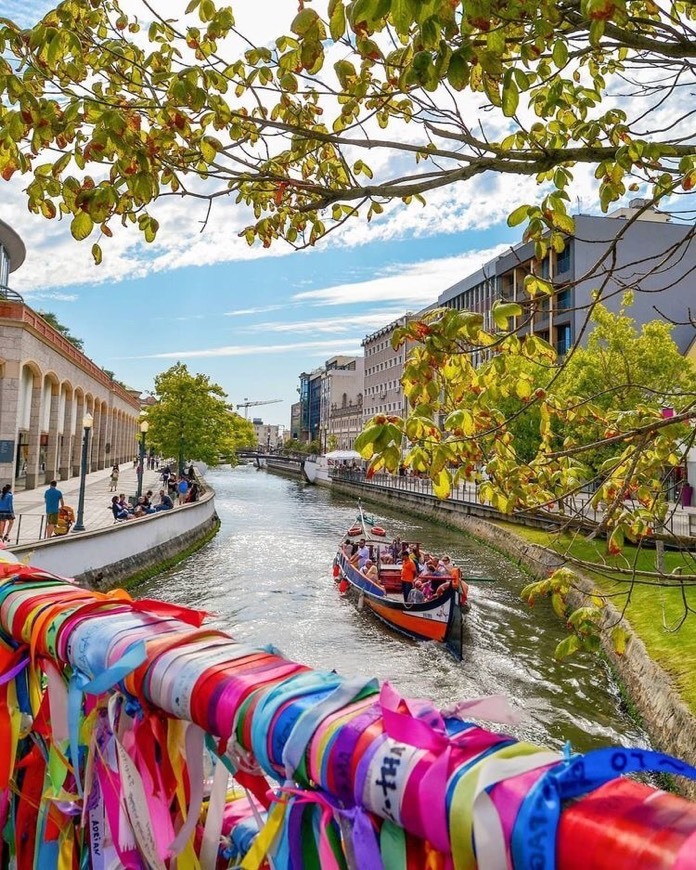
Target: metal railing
x=578 y=507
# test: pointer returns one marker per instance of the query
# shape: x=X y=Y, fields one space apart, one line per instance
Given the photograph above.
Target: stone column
x=34 y=475
x=103 y=436
x=53 y=445
x=93 y=438
x=77 y=436
x=64 y=461
x=9 y=402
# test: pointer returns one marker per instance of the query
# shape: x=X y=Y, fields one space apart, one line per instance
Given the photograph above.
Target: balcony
x=7 y=295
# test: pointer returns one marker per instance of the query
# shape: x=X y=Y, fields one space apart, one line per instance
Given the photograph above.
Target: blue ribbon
x=102 y=682
x=534 y=832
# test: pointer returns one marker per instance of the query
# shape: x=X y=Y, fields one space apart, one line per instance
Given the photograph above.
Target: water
x=266 y=577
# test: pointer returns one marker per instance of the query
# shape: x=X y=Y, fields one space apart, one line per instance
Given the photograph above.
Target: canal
x=266 y=578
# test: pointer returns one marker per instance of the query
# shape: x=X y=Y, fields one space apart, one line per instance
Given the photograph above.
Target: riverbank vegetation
x=654 y=608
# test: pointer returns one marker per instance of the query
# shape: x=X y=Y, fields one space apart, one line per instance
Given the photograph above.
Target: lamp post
x=144 y=426
x=87 y=422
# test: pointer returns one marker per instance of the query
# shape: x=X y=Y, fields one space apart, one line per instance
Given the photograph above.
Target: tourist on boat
x=363 y=553
x=409 y=571
x=445 y=566
x=165 y=502
x=416 y=595
x=395 y=549
x=370 y=570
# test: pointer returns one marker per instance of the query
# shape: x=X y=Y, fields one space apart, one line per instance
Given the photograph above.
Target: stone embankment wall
x=668 y=720
x=113 y=556
x=288 y=468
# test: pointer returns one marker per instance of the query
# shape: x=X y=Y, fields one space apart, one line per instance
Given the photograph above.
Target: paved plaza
x=30 y=510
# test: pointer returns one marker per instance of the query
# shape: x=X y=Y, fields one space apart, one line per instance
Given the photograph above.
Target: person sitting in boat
x=416 y=595
x=370 y=570
x=429 y=568
x=445 y=566
x=363 y=553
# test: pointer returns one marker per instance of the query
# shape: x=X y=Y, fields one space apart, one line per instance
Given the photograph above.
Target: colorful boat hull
x=439 y=619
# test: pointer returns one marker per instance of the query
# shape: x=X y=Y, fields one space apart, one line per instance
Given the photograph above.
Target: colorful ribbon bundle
x=133 y=736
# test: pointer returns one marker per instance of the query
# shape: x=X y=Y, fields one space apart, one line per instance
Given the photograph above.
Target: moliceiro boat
x=431 y=607
x=136 y=736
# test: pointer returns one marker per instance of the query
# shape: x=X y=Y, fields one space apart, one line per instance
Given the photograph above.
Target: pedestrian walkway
x=30 y=510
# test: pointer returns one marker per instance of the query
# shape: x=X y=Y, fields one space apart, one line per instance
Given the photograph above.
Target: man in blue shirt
x=54 y=501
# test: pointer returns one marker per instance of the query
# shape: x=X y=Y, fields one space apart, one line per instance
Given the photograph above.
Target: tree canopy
x=363 y=102
x=369 y=105
x=191 y=419
x=64 y=330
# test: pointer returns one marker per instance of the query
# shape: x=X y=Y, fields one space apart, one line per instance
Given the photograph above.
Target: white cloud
x=343 y=323
x=262 y=309
x=415 y=284
x=352 y=347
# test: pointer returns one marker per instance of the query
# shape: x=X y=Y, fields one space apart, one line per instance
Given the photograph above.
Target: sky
x=251 y=319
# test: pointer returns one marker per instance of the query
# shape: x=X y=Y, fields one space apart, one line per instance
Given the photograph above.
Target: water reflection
x=266 y=578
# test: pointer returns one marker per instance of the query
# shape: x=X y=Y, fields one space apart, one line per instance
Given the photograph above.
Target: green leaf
x=619 y=639
x=518 y=215
x=304 y=21
x=511 y=97
x=442 y=484
x=567 y=647
x=97 y=254
x=558 y=604
x=337 y=21
x=81 y=226
x=503 y=311
x=403 y=13
x=560 y=53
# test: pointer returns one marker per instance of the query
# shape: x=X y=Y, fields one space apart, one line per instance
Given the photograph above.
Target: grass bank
x=653 y=611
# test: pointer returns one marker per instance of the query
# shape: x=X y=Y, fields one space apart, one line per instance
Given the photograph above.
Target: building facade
x=384 y=368
x=343 y=382
x=651 y=256
x=268 y=437
x=47 y=386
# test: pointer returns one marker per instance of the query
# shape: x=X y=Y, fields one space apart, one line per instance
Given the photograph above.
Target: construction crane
x=246 y=404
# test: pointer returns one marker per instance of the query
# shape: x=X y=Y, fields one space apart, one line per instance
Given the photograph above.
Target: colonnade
x=48 y=426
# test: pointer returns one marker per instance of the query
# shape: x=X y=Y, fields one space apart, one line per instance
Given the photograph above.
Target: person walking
x=7 y=516
x=113 y=480
x=53 y=498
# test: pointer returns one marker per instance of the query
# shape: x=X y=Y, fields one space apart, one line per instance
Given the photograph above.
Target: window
x=563 y=259
x=564 y=299
x=563 y=339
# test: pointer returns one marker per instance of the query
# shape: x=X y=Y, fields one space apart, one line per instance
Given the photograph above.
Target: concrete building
x=322 y=389
x=653 y=257
x=384 y=368
x=268 y=437
x=343 y=382
x=47 y=386
x=295 y=417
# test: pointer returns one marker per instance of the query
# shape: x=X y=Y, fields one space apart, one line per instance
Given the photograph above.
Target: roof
x=13 y=244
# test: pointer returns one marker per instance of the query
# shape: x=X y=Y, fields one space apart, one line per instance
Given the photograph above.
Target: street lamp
x=144 y=426
x=87 y=422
